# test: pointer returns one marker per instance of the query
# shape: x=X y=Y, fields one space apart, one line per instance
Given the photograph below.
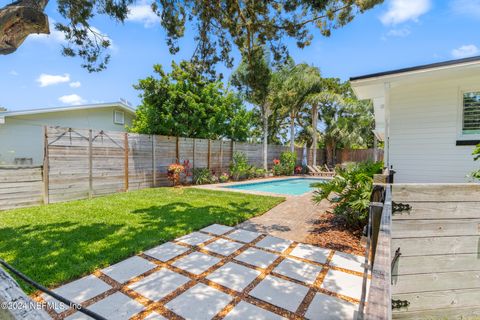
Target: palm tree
x=295 y=84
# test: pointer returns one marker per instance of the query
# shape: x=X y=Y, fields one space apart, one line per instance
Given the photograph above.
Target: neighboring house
x=429 y=118
x=21 y=132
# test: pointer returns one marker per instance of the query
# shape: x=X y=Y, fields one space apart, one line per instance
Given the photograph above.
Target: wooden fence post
x=209 y=154
x=125 y=146
x=46 y=199
x=154 y=161
x=221 y=156
x=177 y=150
x=90 y=165
x=193 y=160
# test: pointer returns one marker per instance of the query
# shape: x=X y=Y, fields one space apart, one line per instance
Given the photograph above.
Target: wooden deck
x=438 y=272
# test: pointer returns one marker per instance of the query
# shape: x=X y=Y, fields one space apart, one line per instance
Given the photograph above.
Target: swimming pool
x=292 y=187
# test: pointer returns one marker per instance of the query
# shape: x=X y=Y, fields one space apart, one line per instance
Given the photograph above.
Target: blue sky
x=398 y=33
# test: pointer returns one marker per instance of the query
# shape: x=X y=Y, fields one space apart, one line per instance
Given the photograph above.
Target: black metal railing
x=377 y=303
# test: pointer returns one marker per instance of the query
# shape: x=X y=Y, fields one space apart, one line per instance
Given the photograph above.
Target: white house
x=21 y=132
x=429 y=118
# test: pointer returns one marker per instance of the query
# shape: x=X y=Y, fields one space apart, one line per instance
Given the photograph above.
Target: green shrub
x=260 y=172
x=287 y=162
x=476 y=157
x=239 y=166
x=202 y=176
x=350 y=192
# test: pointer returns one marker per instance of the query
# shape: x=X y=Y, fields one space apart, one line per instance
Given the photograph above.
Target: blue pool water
x=293 y=187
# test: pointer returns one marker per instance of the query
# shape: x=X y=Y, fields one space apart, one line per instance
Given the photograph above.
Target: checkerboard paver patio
x=221 y=272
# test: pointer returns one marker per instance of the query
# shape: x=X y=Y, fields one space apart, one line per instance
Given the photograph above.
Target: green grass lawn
x=59 y=242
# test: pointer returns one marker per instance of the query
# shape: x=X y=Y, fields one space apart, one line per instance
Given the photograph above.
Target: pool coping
x=223 y=186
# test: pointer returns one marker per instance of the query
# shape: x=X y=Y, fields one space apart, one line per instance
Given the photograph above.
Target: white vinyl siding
x=471 y=113
x=424 y=128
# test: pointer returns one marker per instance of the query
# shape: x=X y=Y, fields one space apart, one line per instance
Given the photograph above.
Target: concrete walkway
x=221 y=272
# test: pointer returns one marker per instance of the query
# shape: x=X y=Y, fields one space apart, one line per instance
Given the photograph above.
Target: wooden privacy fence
x=85 y=163
x=20 y=186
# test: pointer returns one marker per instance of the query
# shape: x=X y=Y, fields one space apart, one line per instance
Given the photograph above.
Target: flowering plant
x=224 y=177
x=174 y=171
x=187 y=169
x=277 y=167
x=298 y=169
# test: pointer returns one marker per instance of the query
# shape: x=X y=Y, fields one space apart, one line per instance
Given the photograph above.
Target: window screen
x=471 y=113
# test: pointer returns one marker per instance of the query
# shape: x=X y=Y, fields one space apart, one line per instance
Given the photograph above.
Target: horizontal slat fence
x=438 y=272
x=20 y=186
x=86 y=163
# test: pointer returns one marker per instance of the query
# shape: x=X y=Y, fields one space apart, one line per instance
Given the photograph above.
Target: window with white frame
x=118 y=117
x=471 y=113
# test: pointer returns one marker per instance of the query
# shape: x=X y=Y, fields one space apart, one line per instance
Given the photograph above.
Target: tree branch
x=20 y=19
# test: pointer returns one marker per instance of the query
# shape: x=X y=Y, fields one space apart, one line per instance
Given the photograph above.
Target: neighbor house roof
x=119 y=105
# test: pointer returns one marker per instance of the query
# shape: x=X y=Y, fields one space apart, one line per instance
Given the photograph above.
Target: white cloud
x=143 y=13
x=403 y=32
x=72 y=99
x=50 y=79
x=404 y=10
x=465 y=51
x=13 y=73
x=466 y=7
x=75 y=84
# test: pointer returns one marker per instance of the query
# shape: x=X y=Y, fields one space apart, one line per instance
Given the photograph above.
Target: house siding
x=424 y=129
x=22 y=136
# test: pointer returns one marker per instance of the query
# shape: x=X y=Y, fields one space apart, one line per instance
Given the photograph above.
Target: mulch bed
x=329 y=231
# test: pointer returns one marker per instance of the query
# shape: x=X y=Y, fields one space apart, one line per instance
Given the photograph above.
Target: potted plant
x=173 y=173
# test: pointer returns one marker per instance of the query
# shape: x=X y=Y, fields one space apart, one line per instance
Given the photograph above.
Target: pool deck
x=223 y=186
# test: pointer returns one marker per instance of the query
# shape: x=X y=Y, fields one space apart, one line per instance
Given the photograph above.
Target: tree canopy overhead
x=218 y=25
x=184 y=103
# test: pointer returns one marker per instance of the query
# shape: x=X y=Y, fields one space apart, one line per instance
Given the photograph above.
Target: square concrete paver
x=199 y=302
x=298 y=270
x=248 y=311
x=280 y=292
x=348 y=261
x=274 y=244
x=196 y=262
x=257 y=257
x=217 y=229
x=234 y=276
x=243 y=235
x=343 y=283
x=118 y=305
x=325 y=307
x=128 y=269
x=155 y=316
x=194 y=238
x=166 y=251
x=78 y=291
x=310 y=252
x=159 y=284
x=223 y=247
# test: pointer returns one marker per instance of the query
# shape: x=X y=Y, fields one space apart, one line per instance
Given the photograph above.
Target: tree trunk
x=330 y=148
x=292 y=132
x=265 y=137
x=314 y=134
x=18 y=20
